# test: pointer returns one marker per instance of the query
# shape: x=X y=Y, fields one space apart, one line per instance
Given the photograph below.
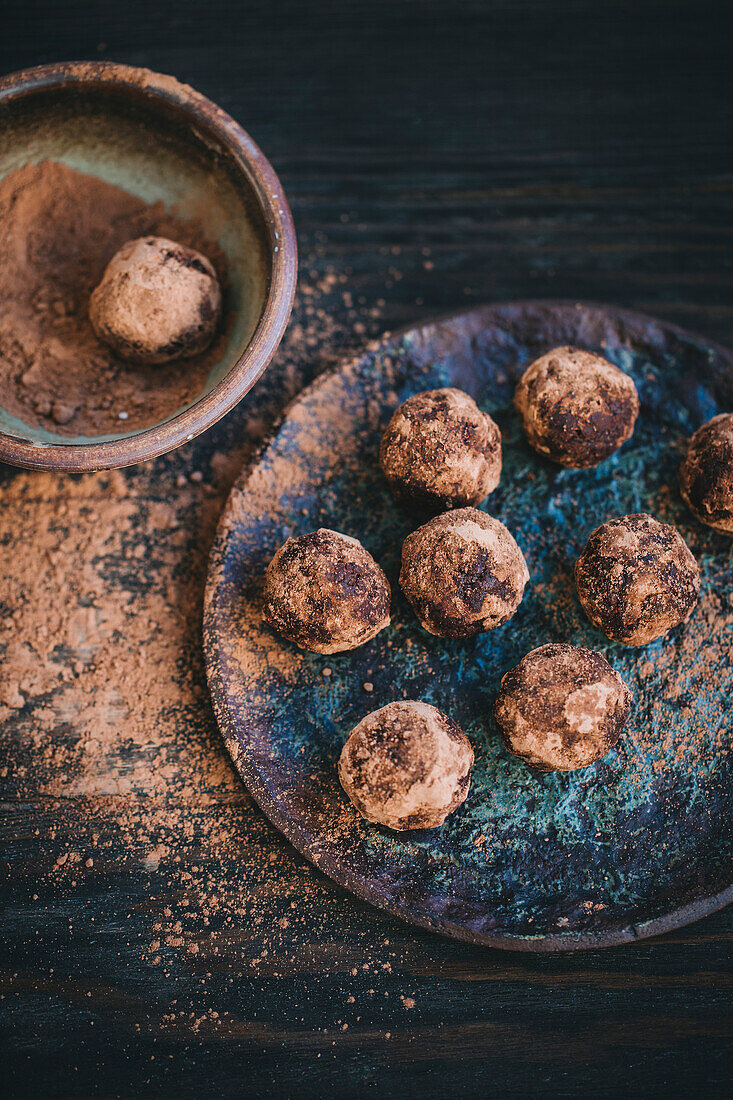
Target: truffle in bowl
x=93 y=155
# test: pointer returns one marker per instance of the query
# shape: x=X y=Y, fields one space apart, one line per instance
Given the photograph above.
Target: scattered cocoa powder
x=103 y=699
x=58 y=230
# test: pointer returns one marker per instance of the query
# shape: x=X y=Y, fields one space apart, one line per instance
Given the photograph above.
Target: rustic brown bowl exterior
x=193 y=112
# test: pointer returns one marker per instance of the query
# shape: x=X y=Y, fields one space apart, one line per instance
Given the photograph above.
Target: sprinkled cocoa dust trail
x=110 y=749
x=598 y=852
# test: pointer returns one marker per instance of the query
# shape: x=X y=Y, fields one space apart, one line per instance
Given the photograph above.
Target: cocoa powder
x=58 y=230
x=104 y=707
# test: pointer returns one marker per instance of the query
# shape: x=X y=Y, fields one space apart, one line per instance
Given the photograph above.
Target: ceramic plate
x=637 y=843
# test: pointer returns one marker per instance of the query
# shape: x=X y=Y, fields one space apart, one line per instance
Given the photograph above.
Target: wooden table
x=159 y=938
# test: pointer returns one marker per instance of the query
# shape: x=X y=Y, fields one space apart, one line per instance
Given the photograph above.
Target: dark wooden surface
x=435 y=155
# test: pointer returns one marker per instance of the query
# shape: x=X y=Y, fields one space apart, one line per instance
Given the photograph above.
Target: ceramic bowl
x=162 y=141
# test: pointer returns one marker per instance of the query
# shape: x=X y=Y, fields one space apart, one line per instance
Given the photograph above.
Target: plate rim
x=631 y=932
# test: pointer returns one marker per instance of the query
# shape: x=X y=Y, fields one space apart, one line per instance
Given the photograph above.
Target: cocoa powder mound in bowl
x=93 y=154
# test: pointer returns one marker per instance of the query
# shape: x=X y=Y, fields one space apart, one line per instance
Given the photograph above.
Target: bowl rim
x=273 y=205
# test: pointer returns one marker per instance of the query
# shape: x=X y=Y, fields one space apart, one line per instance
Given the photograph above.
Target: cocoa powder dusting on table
x=58 y=231
x=104 y=706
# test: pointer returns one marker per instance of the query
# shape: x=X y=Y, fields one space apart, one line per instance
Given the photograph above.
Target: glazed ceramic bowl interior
x=164 y=142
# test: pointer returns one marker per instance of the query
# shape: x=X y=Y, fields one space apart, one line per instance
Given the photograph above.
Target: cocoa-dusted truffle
x=326 y=593
x=406 y=766
x=706 y=477
x=440 y=450
x=576 y=407
x=562 y=707
x=463 y=573
x=636 y=579
x=157 y=301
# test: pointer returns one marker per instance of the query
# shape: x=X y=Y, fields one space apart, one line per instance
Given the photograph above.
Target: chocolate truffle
x=440 y=450
x=576 y=407
x=463 y=573
x=406 y=766
x=326 y=593
x=157 y=301
x=706 y=477
x=562 y=707
x=636 y=579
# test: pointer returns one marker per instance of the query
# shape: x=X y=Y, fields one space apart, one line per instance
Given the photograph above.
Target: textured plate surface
x=635 y=844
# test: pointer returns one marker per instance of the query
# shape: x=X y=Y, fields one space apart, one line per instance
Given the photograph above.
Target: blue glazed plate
x=638 y=843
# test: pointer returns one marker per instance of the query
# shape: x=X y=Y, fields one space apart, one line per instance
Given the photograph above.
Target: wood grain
x=435 y=156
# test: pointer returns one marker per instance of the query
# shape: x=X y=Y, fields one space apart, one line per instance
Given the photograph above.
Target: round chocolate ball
x=157 y=301
x=463 y=573
x=326 y=593
x=576 y=407
x=562 y=707
x=706 y=477
x=636 y=579
x=406 y=766
x=441 y=451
